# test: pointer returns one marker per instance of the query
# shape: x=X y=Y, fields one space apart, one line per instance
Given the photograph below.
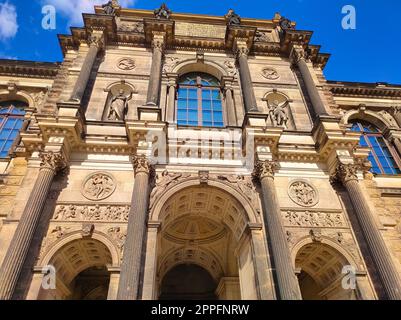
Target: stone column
x=95 y=42
x=229 y=97
x=347 y=174
x=132 y=258
x=242 y=52
x=156 y=70
x=172 y=90
x=18 y=250
x=287 y=281
x=298 y=57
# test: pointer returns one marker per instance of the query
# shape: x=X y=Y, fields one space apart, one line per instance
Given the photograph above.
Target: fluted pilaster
x=248 y=93
x=95 y=42
x=155 y=71
x=347 y=174
x=20 y=244
x=287 y=281
x=131 y=265
x=298 y=57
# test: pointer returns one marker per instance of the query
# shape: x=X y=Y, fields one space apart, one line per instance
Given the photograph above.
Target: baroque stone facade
x=167 y=146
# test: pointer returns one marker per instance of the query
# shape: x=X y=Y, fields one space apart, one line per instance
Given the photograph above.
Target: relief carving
x=270 y=73
x=163 y=181
x=135 y=27
x=126 y=64
x=52 y=236
x=313 y=219
x=170 y=63
x=116 y=213
x=261 y=36
x=303 y=194
x=98 y=186
x=231 y=68
x=118 y=235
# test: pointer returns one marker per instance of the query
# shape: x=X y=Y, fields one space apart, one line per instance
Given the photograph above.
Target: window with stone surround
x=199 y=101
x=382 y=156
x=11 y=120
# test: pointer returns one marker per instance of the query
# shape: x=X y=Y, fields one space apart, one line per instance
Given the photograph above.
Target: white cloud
x=73 y=9
x=8 y=21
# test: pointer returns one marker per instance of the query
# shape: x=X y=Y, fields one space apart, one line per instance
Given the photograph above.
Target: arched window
x=199 y=101
x=382 y=156
x=11 y=120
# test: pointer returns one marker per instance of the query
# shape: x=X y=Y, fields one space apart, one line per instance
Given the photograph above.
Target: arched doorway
x=188 y=282
x=81 y=271
x=321 y=276
x=207 y=226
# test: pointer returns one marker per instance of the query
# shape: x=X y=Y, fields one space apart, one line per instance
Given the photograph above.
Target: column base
x=149 y=113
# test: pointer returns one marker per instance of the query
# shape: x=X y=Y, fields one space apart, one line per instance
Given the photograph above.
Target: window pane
x=182 y=115
x=193 y=104
x=207 y=115
x=181 y=104
x=206 y=105
x=193 y=115
x=217 y=105
x=217 y=116
x=10 y=123
x=216 y=95
x=193 y=93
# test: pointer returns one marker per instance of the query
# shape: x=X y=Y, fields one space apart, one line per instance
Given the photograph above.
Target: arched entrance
x=81 y=271
x=321 y=276
x=188 y=281
x=204 y=232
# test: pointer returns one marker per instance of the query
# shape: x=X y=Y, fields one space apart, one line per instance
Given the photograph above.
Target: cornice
x=30 y=69
x=358 y=89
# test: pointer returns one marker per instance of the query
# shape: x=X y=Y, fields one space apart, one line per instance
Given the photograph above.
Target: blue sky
x=371 y=53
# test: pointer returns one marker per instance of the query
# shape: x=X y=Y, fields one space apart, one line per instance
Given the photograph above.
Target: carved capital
x=297 y=54
x=394 y=110
x=96 y=39
x=265 y=169
x=242 y=51
x=52 y=160
x=142 y=165
x=158 y=42
x=346 y=172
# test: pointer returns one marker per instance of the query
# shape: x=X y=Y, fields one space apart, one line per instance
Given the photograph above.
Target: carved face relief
x=98 y=186
x=126 y=64
x=303 y=193
x=270 y=73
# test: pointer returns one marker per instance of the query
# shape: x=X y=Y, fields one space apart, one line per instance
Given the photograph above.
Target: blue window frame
x=199 y=101
x=382 y=156
x=11 y=120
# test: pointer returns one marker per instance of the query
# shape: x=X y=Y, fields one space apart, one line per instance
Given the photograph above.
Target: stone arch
x=156 y=210
x=320 y=265
x=77 y=235
x=80 y=263
x=18 y=95
x=207 y=66
x=325 y=241
x=275 y=91
x=367 y=115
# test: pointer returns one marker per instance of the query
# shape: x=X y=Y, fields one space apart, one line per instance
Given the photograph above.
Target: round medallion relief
x=98 y=186
x=303 y=193
x=126 y=64
x=270 y=73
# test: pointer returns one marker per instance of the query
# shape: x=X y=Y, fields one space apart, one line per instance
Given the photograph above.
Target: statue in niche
x=232 y=18
x=277 y=113
x=163 y=12
x=118 y=106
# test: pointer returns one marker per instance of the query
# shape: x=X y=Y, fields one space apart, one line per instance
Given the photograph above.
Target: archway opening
x=81 y=272
x=203 y=228
x=321 y=276
x=188 y=282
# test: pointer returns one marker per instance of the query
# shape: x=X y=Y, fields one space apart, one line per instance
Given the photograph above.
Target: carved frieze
x=170 y=63
x=98 y=186
x=118 y=235
x=292 y=218
x=72 y=212
x=303 y=193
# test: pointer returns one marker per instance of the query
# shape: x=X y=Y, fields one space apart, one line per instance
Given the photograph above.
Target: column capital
x=297 y=54
x=158 y=41
x=346 y=172
x=265 y=169
x=96 y=39
x=52 y=160
x=142 y=165
x=241 y=48
x=395 y=110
